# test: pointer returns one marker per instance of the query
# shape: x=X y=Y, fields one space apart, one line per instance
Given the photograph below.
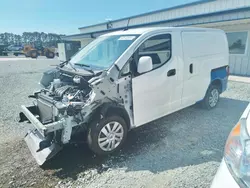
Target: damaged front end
x=41 y=140
x=67 y=104
x=79 y=92
x=57 y=109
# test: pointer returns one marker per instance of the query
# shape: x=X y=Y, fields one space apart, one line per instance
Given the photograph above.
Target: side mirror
x=145 y=64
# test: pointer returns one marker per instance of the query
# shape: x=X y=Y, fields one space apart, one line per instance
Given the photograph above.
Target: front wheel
x=33 y=54
x=212 y=97
x=107 y=135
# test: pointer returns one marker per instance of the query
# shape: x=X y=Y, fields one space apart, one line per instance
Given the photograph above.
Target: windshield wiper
x=67 y=62
x=84 y=65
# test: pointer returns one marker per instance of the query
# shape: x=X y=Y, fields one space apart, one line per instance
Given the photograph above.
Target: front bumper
x=223 y=178
x=40 y=141
x=30 y=113
x=33 y=140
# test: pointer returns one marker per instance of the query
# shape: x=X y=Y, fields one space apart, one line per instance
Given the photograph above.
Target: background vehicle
x=32 y=51
x=2 y=49
x=38 y=50
x=123 y=80
x=234 y=171
x=14 y=48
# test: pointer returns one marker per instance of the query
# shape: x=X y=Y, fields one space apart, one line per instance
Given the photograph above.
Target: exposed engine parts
x=61 y=90
x=64 y=95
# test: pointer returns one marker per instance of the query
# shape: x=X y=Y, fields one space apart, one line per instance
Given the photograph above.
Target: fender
x=107 y=109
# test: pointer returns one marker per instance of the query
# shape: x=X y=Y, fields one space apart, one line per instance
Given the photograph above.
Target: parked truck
x=123 y=80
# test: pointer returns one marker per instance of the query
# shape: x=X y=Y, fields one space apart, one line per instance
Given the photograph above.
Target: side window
x=158 y=48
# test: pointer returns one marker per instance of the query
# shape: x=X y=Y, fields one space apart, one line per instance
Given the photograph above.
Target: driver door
x=152 y=90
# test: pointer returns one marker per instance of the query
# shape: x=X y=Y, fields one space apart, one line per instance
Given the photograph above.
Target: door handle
x=191 y=68
x=171 y=72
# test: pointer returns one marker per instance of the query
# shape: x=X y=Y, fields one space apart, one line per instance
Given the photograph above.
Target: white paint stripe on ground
x=22 y=59
x=239 y=79
x=13 y=59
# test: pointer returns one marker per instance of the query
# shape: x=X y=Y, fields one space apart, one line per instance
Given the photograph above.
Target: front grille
x=45 y=111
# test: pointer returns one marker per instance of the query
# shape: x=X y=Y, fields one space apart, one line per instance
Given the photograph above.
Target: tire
x=102 y=144
x=50 y=55
x=33 y=54
x=212 y=97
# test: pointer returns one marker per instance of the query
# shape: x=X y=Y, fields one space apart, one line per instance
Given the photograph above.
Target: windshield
x=103 y=51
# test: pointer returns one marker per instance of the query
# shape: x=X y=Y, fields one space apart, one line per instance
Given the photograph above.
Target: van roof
x=139 y=31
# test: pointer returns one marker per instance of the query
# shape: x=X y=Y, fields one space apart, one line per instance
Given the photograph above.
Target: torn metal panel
x=33 y=140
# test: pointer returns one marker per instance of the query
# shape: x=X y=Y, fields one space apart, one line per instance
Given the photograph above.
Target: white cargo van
x=123 y=80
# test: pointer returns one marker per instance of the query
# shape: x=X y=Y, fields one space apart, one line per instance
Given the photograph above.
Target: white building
x=233 y=16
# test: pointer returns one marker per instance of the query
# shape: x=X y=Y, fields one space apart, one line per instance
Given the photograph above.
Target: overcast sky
x=66 y=16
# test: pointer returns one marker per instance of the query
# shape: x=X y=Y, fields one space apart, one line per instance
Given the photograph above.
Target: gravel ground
x=183 y=149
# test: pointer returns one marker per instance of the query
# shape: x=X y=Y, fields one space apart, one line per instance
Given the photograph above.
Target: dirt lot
x=180 y=150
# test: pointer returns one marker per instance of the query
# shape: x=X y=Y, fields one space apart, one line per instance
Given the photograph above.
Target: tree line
x=33 y=38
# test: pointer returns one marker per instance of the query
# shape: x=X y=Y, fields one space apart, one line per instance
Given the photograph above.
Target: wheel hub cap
x=110 y=136
x=214 y=97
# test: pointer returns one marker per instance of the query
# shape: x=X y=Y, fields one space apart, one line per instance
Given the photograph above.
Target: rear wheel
x=212 y=97
x=107 y=135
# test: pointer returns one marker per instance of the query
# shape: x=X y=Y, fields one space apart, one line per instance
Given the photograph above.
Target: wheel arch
x=218 y=83
x=108 y=109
